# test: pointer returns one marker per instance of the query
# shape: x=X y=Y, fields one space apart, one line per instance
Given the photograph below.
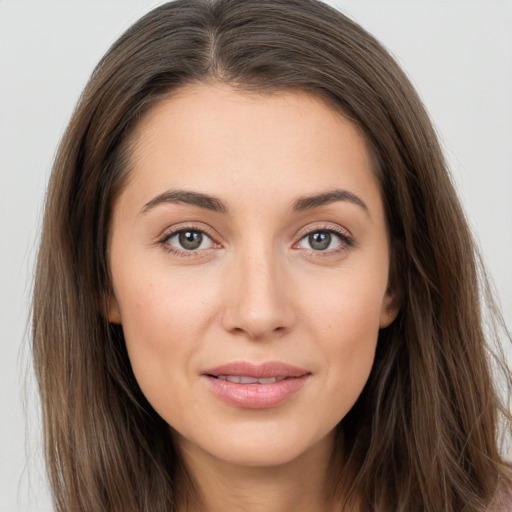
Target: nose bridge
x=257 y=302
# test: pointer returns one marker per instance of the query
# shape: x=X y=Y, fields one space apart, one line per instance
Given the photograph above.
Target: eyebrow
x=186 y=197
x=215 y=204
x=325 y=198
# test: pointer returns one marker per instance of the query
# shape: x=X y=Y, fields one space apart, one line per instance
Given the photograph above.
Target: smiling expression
x=249 y=256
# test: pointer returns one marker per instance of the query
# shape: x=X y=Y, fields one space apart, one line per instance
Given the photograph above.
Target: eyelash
x=163 y=241
x=346 y=241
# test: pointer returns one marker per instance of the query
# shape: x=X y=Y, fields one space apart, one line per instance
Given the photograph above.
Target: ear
x=113 y=310
x=390 y=307
x=393 y=297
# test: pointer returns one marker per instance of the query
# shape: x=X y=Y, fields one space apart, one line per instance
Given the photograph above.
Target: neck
x=298 y=485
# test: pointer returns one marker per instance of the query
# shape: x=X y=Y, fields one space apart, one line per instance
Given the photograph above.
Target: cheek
x=348 y=307
x=352 y=339
x=164 y=320
x=346 y=327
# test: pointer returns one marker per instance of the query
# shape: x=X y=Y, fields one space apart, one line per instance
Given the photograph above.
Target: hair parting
x=423 y=434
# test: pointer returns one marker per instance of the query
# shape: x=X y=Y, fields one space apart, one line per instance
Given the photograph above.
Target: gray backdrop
x=458 y=53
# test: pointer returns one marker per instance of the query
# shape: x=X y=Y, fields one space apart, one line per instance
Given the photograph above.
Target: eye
x=323 y=240
x=188 y=240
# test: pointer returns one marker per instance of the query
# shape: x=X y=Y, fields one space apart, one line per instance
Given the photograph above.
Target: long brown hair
x=423 y=434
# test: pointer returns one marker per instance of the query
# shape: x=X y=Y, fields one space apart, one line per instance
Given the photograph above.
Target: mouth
x=243 y=379
x=256 y=386
x=256 y=371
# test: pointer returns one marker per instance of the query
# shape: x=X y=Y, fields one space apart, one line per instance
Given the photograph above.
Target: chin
x=259 y=445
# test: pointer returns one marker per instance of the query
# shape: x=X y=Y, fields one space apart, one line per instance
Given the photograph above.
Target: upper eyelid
x=303 y=232
x=325 y=226
x=173 y=230
x=343 y=239
x=344 y=236
x=168 y=234
x=173 y=234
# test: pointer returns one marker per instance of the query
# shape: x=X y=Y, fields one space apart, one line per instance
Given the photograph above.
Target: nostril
x=258 y=315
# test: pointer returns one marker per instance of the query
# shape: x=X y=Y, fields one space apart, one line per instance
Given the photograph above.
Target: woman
x=201 y=343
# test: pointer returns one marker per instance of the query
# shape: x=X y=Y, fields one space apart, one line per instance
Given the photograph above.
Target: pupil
x=320 y=240
x=190 y=240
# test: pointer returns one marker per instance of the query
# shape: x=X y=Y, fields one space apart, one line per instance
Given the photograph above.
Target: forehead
x=212 y=136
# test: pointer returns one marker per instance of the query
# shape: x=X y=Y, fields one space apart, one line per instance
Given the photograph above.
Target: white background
x=457 y=53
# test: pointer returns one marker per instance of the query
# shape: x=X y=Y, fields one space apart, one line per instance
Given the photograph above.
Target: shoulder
x=503 y=502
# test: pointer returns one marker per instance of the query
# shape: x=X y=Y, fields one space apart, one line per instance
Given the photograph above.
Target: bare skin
x=251 y=232
x=286 y=487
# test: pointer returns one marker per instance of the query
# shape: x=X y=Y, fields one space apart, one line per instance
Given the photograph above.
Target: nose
x=258 y=300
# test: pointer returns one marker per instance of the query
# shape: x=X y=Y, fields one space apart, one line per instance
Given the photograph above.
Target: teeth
x=270 y=380
x=240 y=379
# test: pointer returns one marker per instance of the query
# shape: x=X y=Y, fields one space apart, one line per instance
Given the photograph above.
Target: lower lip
x=256 y=396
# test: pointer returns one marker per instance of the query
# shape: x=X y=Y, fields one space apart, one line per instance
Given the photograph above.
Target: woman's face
x=249 y=258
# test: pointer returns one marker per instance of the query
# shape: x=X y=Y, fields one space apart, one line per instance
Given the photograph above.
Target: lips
x=258 y=371
x=244 y=379
x=255 y=386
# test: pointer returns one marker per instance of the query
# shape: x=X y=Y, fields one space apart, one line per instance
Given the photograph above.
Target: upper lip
x=257 y=370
